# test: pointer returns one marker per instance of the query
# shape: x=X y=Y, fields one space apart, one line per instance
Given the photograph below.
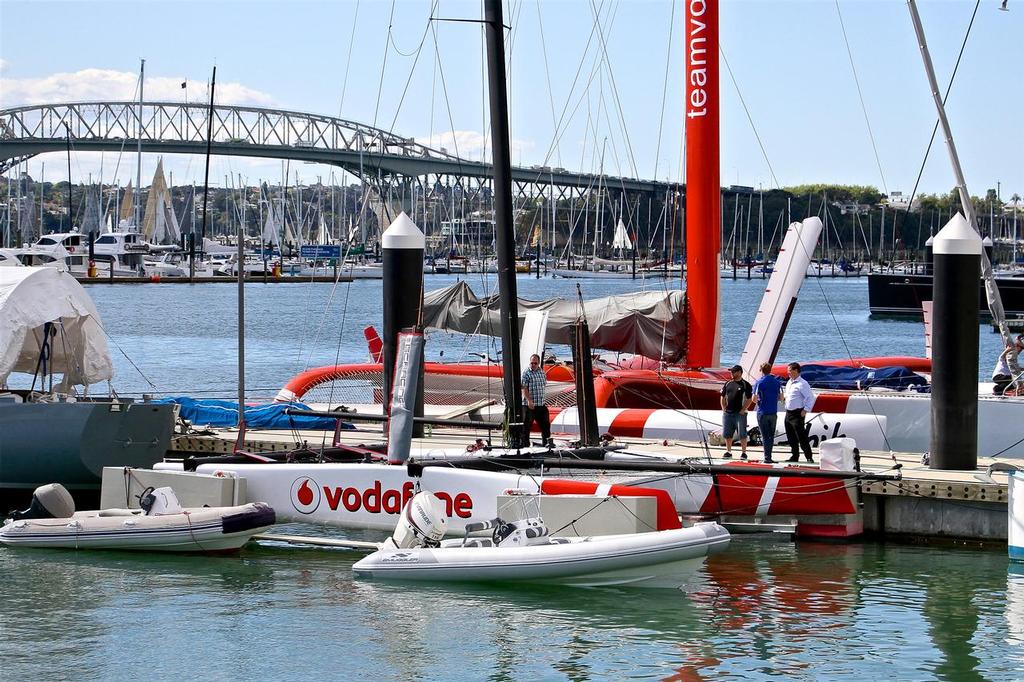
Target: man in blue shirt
x=534 y=383
x=767 y=393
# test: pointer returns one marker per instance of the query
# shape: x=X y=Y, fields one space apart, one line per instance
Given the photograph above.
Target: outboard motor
x=51 y=501
x=421 y=524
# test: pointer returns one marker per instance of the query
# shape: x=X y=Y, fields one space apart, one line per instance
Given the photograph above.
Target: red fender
x=374 y=343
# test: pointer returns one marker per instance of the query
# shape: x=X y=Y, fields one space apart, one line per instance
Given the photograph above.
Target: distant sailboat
x=270 y=235
x=621 y=240
x=322 y=234
x=126 y=216
x=160 y=226
x=92 y=221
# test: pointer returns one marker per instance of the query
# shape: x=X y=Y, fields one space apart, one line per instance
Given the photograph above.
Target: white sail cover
x=621 y=239
x=323 y=236
x=649 y=323
x=270 y=233
x=31 y=297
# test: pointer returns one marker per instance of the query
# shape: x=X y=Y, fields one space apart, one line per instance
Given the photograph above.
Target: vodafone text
x=376 y=500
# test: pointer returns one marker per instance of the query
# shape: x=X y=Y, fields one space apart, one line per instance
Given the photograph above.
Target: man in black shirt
x=737 y=397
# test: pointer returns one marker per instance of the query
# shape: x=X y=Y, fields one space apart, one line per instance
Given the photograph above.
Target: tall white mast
x=995 y=302
x=138 y=160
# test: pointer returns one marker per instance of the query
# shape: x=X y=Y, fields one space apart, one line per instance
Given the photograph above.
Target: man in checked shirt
x=534 y=383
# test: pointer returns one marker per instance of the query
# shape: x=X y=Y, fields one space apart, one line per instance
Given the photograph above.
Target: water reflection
x=761 y=610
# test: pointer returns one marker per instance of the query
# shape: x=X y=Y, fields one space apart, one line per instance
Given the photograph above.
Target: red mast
x=703 y=191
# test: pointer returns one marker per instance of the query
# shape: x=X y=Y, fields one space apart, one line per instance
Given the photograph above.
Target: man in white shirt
x=799 y=400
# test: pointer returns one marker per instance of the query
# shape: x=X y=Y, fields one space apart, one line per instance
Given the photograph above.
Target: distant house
x=899 y=201
x=851 y=207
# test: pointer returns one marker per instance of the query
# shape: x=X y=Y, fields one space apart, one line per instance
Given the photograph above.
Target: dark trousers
x=796 y=434
x=766 y=423
x=540 y=415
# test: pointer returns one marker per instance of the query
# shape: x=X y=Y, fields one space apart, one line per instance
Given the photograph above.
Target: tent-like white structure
x=621 y=239
x=32 y=296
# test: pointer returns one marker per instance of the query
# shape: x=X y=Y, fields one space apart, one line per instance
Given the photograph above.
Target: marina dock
x=926 y=504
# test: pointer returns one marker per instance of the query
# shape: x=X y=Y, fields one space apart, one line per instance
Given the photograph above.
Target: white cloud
x=107 y=84
x=470 y=144
x=3 y=65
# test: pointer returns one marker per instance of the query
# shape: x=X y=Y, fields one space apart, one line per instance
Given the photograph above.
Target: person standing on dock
x=767 y=393
x=737 y=395
x=1007 y=370
x=534 y=383
x=799 y=400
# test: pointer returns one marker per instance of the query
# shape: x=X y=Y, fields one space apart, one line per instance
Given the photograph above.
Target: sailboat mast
x=71 y=215
x=241 y=329
x=504 y=238
x=209 y=145
x=703 y=187
x=138 y=154
x=995 y=301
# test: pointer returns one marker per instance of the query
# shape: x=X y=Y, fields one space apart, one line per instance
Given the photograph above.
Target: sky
x=615 y=97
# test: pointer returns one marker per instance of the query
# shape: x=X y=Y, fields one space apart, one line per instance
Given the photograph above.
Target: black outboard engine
x=51 y=501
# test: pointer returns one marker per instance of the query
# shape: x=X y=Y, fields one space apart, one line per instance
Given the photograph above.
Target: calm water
x=762 y=610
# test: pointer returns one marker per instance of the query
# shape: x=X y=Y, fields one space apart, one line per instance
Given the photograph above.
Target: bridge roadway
x=181 y=128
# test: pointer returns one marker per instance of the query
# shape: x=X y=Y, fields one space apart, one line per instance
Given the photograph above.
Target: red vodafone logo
x=305 y=495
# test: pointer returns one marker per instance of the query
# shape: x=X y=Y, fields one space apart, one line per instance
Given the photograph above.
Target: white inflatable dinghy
x=522 y=551
x=162 y=525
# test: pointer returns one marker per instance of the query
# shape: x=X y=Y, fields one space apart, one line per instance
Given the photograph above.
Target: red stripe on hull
x=630 y=423
x=741 y=495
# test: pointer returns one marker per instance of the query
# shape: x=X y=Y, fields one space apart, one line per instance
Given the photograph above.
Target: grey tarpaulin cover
x=650 y=323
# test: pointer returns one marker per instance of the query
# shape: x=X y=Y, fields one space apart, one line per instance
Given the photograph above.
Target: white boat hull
x=664 y=559
x=205 y=529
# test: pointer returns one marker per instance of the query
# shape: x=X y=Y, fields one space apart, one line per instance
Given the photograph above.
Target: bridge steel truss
x=396 y=166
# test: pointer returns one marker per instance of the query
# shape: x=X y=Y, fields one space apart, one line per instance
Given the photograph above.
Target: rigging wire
x=615 y=90
x=664 y=87
x=547 y=76
x=935 y=128
x=746 y=110
x=860 y=94
x=348 y=60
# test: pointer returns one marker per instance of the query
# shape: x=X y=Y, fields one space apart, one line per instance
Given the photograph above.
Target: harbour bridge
x=372 y=154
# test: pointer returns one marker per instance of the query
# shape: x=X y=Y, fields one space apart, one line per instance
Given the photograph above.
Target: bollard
x=957 y=252
x=403 y=246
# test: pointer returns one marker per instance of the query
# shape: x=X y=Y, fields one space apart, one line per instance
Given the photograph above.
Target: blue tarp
x=207 y=412
x=853 y=378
